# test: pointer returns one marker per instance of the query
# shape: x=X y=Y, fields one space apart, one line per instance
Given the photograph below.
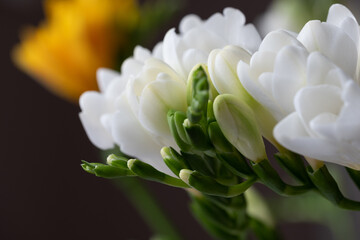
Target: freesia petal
x=96 y=132
x=289 y=76
x=157 y=99
x=315 y=37
x=348 y=121
x=247 y=37
x=257 y=89
x=188 y=22
x=262 y=61
x=318 y=67
x=93 y=105
x=104 y=76
x=192 y=57
x=133 y=139
x=324 y=125
x=141 y=54
x=222 y=69
x=171 y=49
x=338 y=13
x=291 y=133
x=312 y=101
x=276 y=40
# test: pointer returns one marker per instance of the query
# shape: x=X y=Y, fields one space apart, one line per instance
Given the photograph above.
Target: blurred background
x=44 y=193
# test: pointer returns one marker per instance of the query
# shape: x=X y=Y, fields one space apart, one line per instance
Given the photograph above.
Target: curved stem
x=147 y=207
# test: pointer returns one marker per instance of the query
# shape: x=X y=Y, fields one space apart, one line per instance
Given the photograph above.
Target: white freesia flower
x=310 y=83
x=131 y=108
x=198 y=38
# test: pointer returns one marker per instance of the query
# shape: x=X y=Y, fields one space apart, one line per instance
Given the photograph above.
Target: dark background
x=44 y=193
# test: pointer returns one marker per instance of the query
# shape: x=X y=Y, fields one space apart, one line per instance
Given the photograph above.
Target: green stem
x=147 y=207
x=145 y=204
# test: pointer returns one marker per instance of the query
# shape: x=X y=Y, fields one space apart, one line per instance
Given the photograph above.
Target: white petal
x=247 y=37
x=172 y=51
x=324 y=125
x=131 y=67
x=235 y=16
x=262 y=61
x=312 y=101
x=290 y=133
x=204 y=40
x=257 y=89
x=115 y=88
x=141 y=54
x=338 y=13
x=222 y=69
x=157 y=99
x=332 y=42
x=192 y=57
x=276 y=40
x=96 y=132
x=158 y=51
x=348 y=122
x=133 y=139
x=189 y=22
x=318 y=67
x=104 y=76
x=289 y=76
x=93 y=103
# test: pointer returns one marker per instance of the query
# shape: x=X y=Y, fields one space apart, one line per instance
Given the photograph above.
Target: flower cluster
x=193 y=113
x=307 y=85
x=131 y=108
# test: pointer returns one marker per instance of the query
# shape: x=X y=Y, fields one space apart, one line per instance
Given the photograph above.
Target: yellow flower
x=78 y=37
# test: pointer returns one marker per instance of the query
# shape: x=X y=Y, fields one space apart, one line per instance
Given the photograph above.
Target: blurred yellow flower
x=77 y=37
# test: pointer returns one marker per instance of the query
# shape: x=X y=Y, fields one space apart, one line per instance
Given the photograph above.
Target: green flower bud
x=238 y=124
x=117 y=161
x=210 y=186
x=148 y=172
x=175 y=121
x=173 y=160
x=105 y=171
x=197 y=136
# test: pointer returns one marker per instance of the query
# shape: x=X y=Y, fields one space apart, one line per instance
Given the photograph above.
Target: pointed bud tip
x=165 y=152
x=186 y=123
x=111 y=158
x=87 y=167
x=130 y=163
x=185 y=175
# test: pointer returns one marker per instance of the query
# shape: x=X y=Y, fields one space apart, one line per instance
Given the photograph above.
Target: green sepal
x=177 y=131
x=218 y=139
x=105 y=171
x=329 y=188
x=210 y=186
x=236 y=163
x=197 y=136
x=294 y=165
x=173 y=160
x=117 y=161
x=271 y=179
x=355 y=176
x=199 y=164
x=148 y=172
